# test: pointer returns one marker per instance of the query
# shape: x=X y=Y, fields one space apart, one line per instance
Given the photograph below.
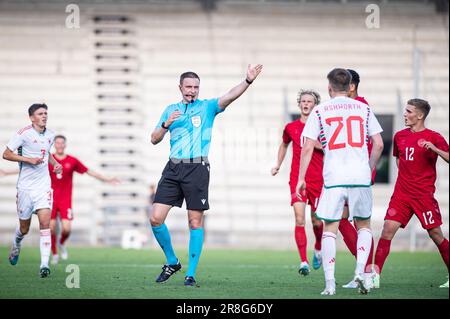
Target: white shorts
x=332 y=201
x=28 y=202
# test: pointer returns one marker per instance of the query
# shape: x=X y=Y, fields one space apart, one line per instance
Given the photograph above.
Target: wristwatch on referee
x=163 y=125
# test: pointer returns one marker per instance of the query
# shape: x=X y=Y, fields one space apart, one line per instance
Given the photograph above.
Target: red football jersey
x=62 y=183
x=417 y=165
x=293 y=132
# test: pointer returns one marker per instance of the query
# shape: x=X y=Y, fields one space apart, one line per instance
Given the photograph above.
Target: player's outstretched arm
x=13 y=157
x=281 y=154
x=430 y=146
x=8 y=172
x=234 y=93
x=109 y=180
x=377 y=149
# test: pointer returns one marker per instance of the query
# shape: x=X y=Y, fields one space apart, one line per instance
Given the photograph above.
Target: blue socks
x=162 y=235
x=195 y=249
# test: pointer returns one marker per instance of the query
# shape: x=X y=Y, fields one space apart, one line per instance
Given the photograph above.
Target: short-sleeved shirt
x=416 y=164
x=62 y=183
x=190 y=134
x=30 y=143
x=344 y=126
x=292 y=132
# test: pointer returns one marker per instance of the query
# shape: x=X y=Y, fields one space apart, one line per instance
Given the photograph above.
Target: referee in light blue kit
x=186 y=174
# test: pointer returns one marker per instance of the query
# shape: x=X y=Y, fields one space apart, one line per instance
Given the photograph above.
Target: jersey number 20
x=332 y=145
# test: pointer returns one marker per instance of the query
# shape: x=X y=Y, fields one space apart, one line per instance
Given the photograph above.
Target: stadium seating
x=107 y=105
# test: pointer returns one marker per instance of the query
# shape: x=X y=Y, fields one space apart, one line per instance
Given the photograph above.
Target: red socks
x=318 y=234
x=64 y=237
x=54 y=248
x=300 y=239
x=443 y=249
x=349 y=234
x=384 y=246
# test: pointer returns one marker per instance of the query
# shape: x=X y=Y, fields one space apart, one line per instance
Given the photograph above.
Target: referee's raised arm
x=234 y=93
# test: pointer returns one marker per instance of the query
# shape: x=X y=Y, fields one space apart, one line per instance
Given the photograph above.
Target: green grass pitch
x=230 y=274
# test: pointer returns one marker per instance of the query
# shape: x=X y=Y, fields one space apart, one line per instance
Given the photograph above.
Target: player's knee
x=154 y=221
x=24 y=230
x=436 y=235
x=388 y=232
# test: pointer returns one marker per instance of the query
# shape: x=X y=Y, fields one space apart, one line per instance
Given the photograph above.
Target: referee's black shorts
x=184 y=179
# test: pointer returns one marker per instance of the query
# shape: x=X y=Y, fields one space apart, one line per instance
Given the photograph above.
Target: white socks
x=18 y=237
x=328 y=255
x=45 y=245
x=363 y=246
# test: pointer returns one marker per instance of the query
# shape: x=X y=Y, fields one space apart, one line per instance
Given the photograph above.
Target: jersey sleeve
x=395 y=147
x=312 y=127
x=213 y=106
x=15 y=142
x=163 y=118
x=441 y=143
x=374 y=126
x=286 y=138
x=79 y=167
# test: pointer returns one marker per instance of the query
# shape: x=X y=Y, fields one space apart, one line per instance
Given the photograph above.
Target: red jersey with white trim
x=416 y=164
x=62 y=183
x=293 y=132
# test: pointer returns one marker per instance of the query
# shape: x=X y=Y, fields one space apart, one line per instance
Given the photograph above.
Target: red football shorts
x=401 y=209
x=64 y=210
x=312 y=195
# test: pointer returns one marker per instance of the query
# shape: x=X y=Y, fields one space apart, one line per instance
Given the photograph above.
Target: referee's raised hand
x=253 y=72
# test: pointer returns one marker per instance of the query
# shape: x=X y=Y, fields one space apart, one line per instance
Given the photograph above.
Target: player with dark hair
x=62 y=194
x=348 y=231
x=343 y=126
x=34 y=193
x=416 y=149
x=307 y=100
x=186 y=175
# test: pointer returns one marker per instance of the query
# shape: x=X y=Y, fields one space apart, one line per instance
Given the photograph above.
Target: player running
x=417 y=150
x=343 y=126
x=34 y=193
x=62 y=194
x=306 y=100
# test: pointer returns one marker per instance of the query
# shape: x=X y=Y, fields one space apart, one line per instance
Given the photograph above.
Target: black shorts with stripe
x=184 y=179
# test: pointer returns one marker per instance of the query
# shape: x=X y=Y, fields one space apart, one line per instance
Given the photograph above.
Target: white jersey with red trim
x=30 y=143
x=344 y=127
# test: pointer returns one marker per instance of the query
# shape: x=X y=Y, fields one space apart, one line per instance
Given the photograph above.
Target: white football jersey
x=30 y=143
x=343 y=126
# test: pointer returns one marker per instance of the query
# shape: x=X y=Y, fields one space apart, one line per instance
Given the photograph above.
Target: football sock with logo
x=162 y=236
x=318 y=231
x=383 y=248
x=195 y=249
x=349 y=235
x=443 y=249
x=45 y=246
x=364 y=244
x=329 y=254
x=369 y=263
x=302 y=242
